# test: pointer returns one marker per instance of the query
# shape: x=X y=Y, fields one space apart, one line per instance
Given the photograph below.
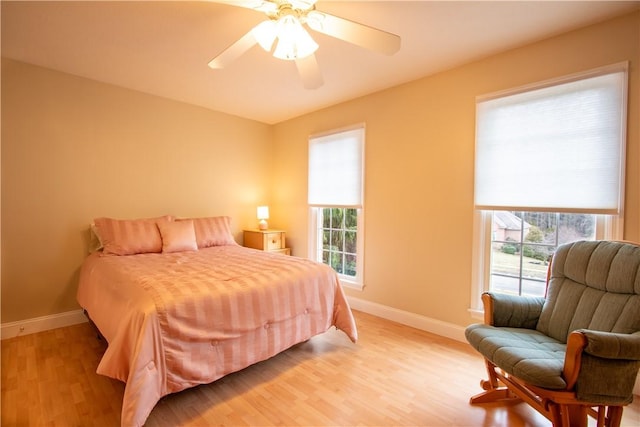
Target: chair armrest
x=576 y=344
x=511 y=311
x=610 y=345
x=606 y=345
x=593 y=358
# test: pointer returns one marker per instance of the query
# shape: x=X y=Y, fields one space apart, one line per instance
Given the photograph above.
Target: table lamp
x=263 y=216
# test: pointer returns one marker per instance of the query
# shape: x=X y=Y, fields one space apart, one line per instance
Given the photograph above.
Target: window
x=522 y=244
x=336 y=166
x=338 y=232
x=549 y=170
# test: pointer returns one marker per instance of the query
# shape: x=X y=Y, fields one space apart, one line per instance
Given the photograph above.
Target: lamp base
x=262 y=225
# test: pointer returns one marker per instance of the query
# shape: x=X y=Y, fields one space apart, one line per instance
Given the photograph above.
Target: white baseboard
x=39 y=324
x=417 y=321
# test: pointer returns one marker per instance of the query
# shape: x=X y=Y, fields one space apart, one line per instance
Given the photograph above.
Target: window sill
x=476 y=313
x=346 y=283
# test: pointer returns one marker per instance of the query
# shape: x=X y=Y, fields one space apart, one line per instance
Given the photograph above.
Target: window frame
x=314 y=244
x=608 y=227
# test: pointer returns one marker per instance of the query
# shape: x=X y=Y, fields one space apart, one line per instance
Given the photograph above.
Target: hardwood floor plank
x=394 y=376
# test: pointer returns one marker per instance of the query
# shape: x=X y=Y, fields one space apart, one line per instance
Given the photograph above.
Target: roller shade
x=557 y=148
x=336 y=169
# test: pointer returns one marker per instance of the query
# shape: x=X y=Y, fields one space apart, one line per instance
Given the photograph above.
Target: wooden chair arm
x=487 y=303
x=511 y=310
x=573 y=358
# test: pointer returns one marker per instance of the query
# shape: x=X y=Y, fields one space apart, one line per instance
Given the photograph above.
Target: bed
x=182 y=314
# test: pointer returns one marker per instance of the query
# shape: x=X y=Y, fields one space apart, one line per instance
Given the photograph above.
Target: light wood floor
x=393 y=376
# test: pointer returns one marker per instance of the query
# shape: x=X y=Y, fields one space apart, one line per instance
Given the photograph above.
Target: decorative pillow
x=177 y=236
x=130 y=236
x=213 y=231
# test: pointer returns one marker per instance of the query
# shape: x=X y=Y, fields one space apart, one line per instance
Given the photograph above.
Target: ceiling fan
x=285 y=23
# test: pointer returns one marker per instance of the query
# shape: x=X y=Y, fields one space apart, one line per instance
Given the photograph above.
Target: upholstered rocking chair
x=576 y=352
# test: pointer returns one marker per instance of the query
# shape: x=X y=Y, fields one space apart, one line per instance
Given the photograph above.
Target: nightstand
x=266 y=240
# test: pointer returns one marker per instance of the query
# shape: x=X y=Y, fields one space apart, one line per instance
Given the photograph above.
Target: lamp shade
x=263 y=216
x=263 y=212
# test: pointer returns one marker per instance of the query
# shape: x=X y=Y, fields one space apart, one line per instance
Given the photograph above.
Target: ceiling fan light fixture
x=284 y=34
x=294 y=42
x=265 y=34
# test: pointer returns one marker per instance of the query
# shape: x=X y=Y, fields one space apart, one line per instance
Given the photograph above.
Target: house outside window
x=549 y=170
x=336 y=188
x=523 y=243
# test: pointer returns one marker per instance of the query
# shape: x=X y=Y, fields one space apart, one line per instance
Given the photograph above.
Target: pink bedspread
x=176 y=320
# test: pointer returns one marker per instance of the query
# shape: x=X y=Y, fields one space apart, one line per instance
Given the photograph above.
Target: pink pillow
x=213 y=231
x=178 y=236
x=130 y=236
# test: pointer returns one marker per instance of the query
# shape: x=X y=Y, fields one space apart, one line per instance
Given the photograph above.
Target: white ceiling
x=162 y=47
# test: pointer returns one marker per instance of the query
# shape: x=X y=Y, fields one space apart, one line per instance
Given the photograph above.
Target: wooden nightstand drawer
x=273 y=241
x=266 y=240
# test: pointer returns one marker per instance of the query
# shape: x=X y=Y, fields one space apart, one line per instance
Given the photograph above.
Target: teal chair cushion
x=525 y=353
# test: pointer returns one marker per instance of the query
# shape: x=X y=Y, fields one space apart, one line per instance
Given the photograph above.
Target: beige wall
x=419 y=166
x=74 y=149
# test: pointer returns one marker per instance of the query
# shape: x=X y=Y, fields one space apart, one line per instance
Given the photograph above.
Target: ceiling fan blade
x=234 y=51
x=354 y=32
x=309 y=72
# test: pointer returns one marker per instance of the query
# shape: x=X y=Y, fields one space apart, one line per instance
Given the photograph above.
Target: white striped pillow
x=130 y=236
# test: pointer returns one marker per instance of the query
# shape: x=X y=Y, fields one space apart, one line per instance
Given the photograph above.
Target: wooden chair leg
x=577 y=415
x=556 y=415
x=491 y=371
x=601 y=418
x=568 y=415
x=614 y=416
x=492 y=396
x=493 y=391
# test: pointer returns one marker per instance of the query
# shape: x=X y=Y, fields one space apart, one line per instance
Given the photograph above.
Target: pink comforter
x=176 y=320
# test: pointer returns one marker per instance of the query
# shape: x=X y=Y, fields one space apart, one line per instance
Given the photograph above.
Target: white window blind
x=558 y=147
x=336 y=169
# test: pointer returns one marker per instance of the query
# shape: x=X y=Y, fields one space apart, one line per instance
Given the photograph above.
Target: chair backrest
x=592 y=285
